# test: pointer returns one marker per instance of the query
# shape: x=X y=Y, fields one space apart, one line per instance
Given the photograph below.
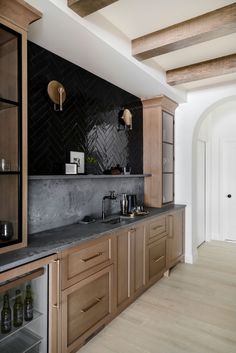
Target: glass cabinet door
x=167 y=127
x=167 y=158
x=10 y=137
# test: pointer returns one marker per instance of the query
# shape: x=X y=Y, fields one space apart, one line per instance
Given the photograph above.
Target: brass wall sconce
x=125 y=120
x=57 y=94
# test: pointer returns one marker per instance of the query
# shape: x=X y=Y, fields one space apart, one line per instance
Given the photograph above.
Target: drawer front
x=157 y=229
x=157 y=258
x=81 y=263
x=86 y=305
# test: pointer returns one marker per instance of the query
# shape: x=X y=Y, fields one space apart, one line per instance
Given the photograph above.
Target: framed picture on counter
x=78 y=158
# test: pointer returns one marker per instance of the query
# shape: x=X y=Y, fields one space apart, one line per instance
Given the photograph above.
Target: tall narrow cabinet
x=158 y=147
x=15 y=16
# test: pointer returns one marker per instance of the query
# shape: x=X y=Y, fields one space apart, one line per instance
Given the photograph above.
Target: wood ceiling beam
x=199 y=29
x=206 y=69
x=86 y=7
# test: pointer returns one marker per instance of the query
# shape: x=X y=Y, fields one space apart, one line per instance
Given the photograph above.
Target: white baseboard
x=191 y=258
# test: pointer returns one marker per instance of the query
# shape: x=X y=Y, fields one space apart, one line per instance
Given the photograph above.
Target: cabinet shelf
x=21 y=342
x=89 y=176
x=6 y=104
x=10 y=173
x=4 y=338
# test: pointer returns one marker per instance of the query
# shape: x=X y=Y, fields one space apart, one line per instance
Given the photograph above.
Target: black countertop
x=55 y=240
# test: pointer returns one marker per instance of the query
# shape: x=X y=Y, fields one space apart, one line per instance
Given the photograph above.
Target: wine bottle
x=6 y=315
x=18 y=310
x=28 y=304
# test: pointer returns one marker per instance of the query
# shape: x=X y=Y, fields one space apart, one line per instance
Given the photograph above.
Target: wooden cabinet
x=157 y=228
x=156 y=238
x=86 y=307
x=158 y=149
x=156 y=260
x=15 y=16
x=82 y=261
x=175 y=238
x=102 y=277
x=130 y=264
x=87 y=297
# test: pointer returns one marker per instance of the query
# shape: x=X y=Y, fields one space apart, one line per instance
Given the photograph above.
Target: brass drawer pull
x=92 y=257
x=159 y=258
x=154 y=228
x=98 y=300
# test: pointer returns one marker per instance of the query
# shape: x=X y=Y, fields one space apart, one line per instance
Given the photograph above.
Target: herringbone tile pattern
x=87 y=123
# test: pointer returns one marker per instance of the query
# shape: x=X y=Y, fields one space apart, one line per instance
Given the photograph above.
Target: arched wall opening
x=188 y=119
x=213 y=128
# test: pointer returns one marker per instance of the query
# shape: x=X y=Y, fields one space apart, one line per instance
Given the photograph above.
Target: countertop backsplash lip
x=55 y=240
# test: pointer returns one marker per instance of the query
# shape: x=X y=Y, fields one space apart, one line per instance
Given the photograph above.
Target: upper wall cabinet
x=14 y=19
x=158 y=148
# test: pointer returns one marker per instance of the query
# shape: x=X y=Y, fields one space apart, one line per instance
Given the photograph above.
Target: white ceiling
x=101 y=42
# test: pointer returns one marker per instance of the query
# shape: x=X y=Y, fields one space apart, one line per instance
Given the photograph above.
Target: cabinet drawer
x=85 y=306
x=157 y=229
x=85 y=261
x=156 y=258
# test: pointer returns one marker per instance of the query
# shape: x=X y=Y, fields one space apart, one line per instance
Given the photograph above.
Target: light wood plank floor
x=194 y=310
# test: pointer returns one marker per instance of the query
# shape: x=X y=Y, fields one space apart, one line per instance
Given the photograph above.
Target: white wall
x=189 y=117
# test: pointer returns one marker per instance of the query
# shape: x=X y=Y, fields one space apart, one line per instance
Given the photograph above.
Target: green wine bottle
x=28 y=304
x=18 y=310
x=6 y=315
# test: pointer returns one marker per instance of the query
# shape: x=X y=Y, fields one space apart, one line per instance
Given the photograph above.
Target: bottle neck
x=6 y=303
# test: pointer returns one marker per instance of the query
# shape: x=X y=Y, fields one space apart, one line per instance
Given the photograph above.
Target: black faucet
x=112 y=196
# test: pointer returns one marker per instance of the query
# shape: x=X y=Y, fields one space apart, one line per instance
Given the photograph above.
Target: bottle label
x=6 y=325
x=19 y=316
x=29 y=312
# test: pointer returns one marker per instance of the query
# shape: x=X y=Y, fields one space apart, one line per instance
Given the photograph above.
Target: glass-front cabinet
x=15 y=16
x=10 y=137
x=167 y=158
x=158 y=146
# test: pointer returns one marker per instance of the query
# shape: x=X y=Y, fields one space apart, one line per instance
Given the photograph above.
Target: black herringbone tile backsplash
x=87 y=123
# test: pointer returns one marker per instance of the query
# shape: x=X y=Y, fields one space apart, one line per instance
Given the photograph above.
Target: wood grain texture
x=86 y=7
x=196 y=30
x=206 y=69
x=175 y=238
x=12 y=113
x=152 y=147
x=194 y=310
x=19 y=13
x=73 y=267
x=86 y=306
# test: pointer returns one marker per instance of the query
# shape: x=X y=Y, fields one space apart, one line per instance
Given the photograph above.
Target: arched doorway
x=214 y=143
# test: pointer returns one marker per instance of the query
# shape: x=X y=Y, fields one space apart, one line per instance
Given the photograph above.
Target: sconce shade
x=126 y=117
x=57 y=93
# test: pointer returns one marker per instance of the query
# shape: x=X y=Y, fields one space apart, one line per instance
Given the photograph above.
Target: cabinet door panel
x=139 y=258
x=168 y=158
x=168 y=188
x=81 y=262
x=167 y=127
x=175 y=244
x=123 y=267
x=157 y=229
x=84 y=306
x=156 y=258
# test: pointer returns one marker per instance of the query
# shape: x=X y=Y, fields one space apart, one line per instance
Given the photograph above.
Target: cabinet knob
x=229 y=196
